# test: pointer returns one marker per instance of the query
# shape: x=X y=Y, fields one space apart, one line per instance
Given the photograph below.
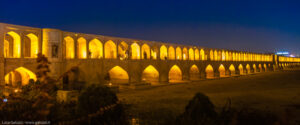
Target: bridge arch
x=175 y=74
x=150 y=74
x=163 y=52
x=265 y=67
x=110 y=51
x=123 y=50
x=191 y=54
x=241 y=69
x=194 y=73
x=211 y=55
x=154 y=52
x=145 y=51
x=254 y=68
x=178 y=53
x=19 y=77
x=31 y=43
x=232 y=70
x=12 y=45
x=248 y=69
x=185 y=54
x=135 y=51
x=81 y=46
x=216 y=55
x=197 y=56
x=171 y=53
x=118 y=75
x=69 y=47
x=222 y=71
x=260 y=68
x=202 y=54
x=95 y=49
x=209 y=70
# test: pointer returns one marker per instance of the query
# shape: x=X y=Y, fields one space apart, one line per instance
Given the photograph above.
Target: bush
x=94 y=97
x=199 y=111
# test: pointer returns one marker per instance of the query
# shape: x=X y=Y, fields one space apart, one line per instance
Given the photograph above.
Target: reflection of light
x=110 y=84
x=184 y=56
x=292 y=56
x=5 y=100
x=16 y=90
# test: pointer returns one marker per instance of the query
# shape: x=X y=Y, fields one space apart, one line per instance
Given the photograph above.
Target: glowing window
x=69 y=44
x=145 y=51
x=110 y=51
x=135 y=51
x=178 y=53
x=163 y=52
x=81 y=46
x=171 y=53
x=95 y=49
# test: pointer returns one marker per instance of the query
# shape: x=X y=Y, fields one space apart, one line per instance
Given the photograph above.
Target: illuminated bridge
x=121 y=60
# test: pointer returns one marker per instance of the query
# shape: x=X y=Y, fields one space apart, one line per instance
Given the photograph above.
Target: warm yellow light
x=150 y=74
x=209 y=71
x=20 y=74
x=135 y=51
x=178 y=53
x=163 y=52
x=175 y=74
x=118 y=75
x=194 y=72
x=95 y=49
x=197 y=54
x=185 y=53
x=202 y=54
x=145 y=52
x=110 y=51
x=34 y=47
x=241 y=69
x=232 y=69
x=171 y=53
x=16 y=45
x=222 y=71
x=81 y=45
x=70 y=51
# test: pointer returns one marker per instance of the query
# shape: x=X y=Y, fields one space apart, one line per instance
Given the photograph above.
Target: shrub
x=94 y=97
x=200 y=110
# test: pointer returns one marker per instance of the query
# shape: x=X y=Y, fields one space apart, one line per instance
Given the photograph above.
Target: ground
x=278 y=92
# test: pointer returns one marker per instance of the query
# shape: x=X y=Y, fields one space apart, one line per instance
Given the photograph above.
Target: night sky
x=240 y=25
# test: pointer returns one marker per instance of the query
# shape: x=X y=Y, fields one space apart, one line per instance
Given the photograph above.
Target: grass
x=278 y=92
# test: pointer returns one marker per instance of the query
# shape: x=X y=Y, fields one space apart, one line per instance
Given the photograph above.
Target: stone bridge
x=121 y=60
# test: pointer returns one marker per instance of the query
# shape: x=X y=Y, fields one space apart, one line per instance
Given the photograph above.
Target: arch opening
x=69 y=47
x=232 y=69
x=209 y=72
x=95 y=49
x=178 y=53
x=154 y=52
x=191 y=54
x=135 y=51
x=150 y=74
x=175 y=74
x=31 y=46
x=171 y=53
x=118 y=75
x=110 y=50
x=194 y=73
x=81 y=45
x=254 y=68
x=241 y=69
x=163 y=52
x=185 y=54
x=222 y=71
x=12 y=45
x=248 y=69
x=19 y=77
x=145 y=51
x=197 y=56
x=122 y=51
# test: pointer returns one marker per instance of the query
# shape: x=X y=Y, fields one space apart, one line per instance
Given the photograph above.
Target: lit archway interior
x=31 y=46
x=211 y=55
x=154 y=52
x=175 y=74
x=123 y=50
x=19 y=76
x=12 y=45
x=178 y=53
x=96 y=49
x=194 y=73
x=197 y=54
x=163 y=52
x=150 y=74
x=171 y=53
x=248 y=68
x=232 y=69
x=223 y=55
x=145 y=52
x=265 y=67
x=222 y=71
x=241 y=69
x=254 y=68
x=81 y=46
x=191 y=54
x=260 y=68
x=70 y=51
x=118 y=75
x=110 y=51
x=202 y=54
x=216 y=55
x=135 y=51
x=185 y=54
x=209 y=72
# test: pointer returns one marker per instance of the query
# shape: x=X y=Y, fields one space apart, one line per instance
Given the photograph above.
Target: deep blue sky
x=260 y=26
